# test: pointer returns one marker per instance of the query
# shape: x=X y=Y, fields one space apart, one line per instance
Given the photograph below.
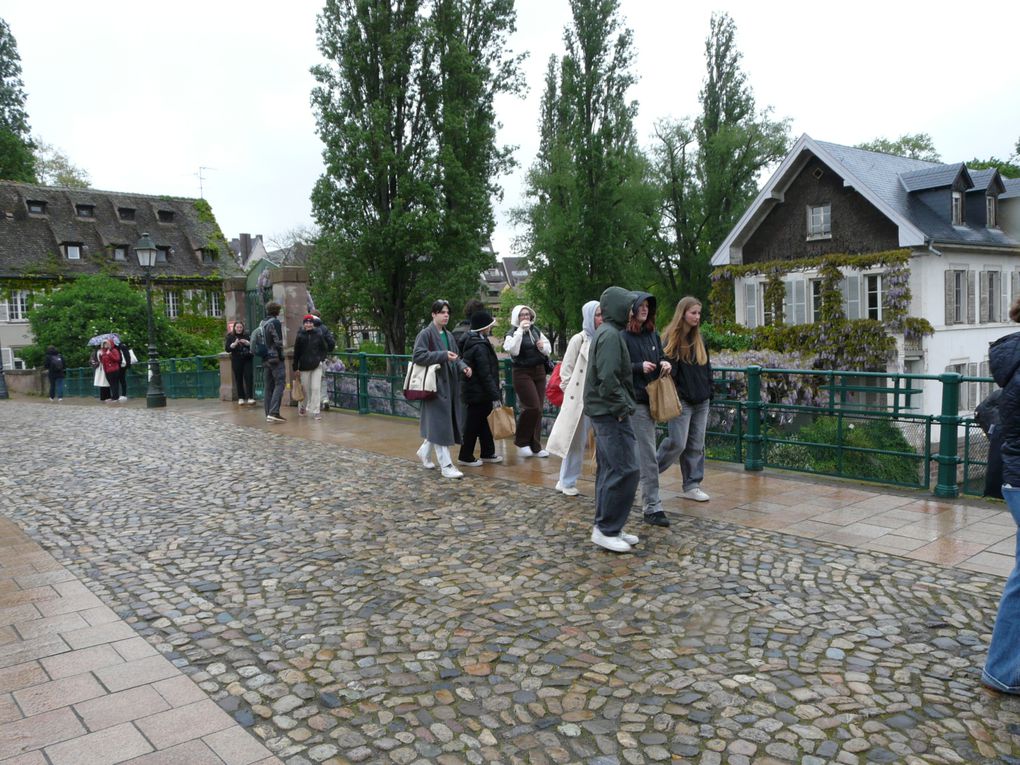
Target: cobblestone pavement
x=348 y=607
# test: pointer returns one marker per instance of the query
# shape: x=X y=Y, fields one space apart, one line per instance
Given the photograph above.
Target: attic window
x=85 y=211
x=819 y=222
x=208 y=257
x=818 y=173
x=36 y=207
x=166 y=216
x=126 y=213
x=162 y=254
x=957 y=208
x=72 y=250
x=991 y=211
x=120 y=252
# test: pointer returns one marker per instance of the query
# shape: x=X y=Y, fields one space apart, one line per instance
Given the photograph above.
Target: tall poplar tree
x=16 y=162
x=404 y=107
x=592 y=209
x=708 y=168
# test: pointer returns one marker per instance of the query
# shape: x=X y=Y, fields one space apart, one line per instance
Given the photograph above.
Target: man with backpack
x=56 y=369
x=267 y=340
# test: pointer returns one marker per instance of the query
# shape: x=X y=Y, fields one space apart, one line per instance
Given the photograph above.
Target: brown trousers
x=529 y=385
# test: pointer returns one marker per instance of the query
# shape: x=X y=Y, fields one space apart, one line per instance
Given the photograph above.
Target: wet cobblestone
x=347 y=607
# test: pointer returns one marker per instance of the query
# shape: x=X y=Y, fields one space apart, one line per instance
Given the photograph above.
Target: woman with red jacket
x=109 y=358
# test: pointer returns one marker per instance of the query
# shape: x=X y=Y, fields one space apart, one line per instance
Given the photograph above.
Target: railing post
x=948 y=456
x=362 y=383
x=753 y=460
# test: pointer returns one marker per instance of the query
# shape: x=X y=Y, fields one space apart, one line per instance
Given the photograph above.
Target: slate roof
x=1012 y=188
x=890 y=183
x=32 y=244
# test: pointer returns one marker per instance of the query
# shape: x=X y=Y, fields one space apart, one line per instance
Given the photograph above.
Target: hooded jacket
x=483 y=385
x=527 y=348
x=1004 y=364
x=643 y=346
x=609 y=385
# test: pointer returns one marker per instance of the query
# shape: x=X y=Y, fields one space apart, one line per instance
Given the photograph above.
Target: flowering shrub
x=779 y=390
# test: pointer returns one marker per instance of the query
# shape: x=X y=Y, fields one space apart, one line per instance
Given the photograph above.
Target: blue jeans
x=275 y=381
x=1002 y=668
x=56 y=387
x=573 y=463
x=616 y=481
x=686 y=441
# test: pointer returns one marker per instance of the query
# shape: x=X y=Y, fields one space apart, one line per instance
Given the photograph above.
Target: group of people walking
x=603 y=376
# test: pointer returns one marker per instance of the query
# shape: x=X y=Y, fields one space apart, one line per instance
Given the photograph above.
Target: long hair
x=682 y=341
x=636 y=327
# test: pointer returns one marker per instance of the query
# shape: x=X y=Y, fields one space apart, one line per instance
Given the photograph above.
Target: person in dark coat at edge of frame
x=1002 y=667
x=609 y=404
x=439 y=426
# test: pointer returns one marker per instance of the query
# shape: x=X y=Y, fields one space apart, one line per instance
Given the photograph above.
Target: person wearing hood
x=1002 y=667
x=570 y=431
x=481 y=390
x=439 y=425
x=529 y=350
x=609 y=404
x=646 y=364
x=56 y=370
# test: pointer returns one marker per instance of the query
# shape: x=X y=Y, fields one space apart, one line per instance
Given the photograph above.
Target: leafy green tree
x=592 y=209
x=405 y=110
x=707 y=168
x=1010 y=168
x=15 y=143
x=912 y=145
x=54 y=168
x=92 y=305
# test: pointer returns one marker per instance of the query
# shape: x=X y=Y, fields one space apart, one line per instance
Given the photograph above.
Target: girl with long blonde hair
x=691 y=371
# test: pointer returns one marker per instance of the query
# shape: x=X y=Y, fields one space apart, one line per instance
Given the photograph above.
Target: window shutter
x=750 y=303
x=983 y=278
x=851 y=286
x=4 y=312
x=972 y=387
x=800 y=301
x=1014 y=284
x=950 y=298
x=1004 y=304
x=986 y=387
x=971 y=289
x=8 y=357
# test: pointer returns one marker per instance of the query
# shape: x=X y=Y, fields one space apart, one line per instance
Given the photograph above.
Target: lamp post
x=146 y=252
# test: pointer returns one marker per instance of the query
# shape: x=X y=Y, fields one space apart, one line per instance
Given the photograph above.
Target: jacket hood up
x=514 y=314
x=639 y=298
x=588 y=317
x=1004 y=358
x=616 y=304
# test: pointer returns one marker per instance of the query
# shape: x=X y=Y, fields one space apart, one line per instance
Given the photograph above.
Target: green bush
x=857 y=434
x=726 y=337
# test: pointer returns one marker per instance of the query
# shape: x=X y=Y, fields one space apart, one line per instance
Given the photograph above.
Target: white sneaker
x=123 y=398
x=241 y=402
x=525 y=451
x=423 y=455
x=696 y=494
x=251 y=401
x=474 y=463
x=570 y=491
x=631 y=539
x=542 y=453
x=614 y=544
x=449 y=471
x=493 y=460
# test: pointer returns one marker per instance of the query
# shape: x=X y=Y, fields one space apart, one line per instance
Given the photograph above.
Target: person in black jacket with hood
x=310 y=350
x=1002 y=668
x=646 y=364
x=56 y=369
x=480 y=391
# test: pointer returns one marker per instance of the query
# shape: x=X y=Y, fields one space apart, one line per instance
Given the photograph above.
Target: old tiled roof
x=33 y=244
x=1012 y=188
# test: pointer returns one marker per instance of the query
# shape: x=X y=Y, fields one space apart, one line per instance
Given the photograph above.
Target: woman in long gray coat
x=439 y=426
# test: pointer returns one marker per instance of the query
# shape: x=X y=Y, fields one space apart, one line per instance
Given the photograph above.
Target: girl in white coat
x=570 y=431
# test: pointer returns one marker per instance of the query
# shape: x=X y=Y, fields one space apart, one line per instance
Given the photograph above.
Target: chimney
x=245 y=247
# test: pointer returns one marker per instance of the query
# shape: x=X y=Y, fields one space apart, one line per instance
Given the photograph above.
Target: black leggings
x=243 y=376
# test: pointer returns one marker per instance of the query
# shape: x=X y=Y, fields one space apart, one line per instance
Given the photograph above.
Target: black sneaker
x=275 y=418
x=657 y=519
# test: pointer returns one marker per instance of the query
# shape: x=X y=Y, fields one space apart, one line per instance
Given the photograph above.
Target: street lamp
x=146 y=252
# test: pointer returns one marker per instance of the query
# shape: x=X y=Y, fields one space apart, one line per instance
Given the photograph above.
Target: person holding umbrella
x=109 y=362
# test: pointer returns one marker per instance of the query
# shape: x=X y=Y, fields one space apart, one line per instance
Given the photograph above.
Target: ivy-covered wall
x=837 y=342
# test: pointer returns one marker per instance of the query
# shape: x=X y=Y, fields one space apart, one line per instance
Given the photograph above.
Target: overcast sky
x=141 y=95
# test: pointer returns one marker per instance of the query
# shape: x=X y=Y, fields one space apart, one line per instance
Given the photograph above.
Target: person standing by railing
x=310 y=350
x=242 y=362
x=1002 y=668
x=275 y=366
x=570 y=431
x=109 y=360
x=56 y=370
x=692 y=374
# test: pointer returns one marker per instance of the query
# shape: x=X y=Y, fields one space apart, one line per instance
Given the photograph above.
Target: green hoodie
x=609 y=384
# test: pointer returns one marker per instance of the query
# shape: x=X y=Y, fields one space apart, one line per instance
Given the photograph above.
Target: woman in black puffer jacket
x=1002 y=668
x=480 y=391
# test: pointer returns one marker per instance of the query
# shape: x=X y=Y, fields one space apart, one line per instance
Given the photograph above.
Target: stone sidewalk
x=344 y=605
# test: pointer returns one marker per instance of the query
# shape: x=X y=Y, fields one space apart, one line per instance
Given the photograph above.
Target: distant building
x=51 y=235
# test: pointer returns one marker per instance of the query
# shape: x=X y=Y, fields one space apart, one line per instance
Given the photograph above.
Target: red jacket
x=110 y=360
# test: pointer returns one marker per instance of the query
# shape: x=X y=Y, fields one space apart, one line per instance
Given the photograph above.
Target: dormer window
x=208 y=257
x=165 y=216
x=36 y=207
x=162 y=254
x=126 y=213
x=957 y=208
x=120 y=252
x=72 y=250
x=991 y=211
x=819 y=222
x=85 y=211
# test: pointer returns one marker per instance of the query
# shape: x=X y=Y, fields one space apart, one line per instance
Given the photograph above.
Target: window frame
x=214 y=304
x=957 y=208
x=819 y=222
x=15 y=307
x=36 y=207
x=872 y=297
x=126 y=213
x=85 y=211
x=991 y=211
x=68 y=247
x=172 y=303
x=165 y=216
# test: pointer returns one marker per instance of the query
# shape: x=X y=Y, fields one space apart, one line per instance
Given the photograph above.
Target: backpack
x=57 y=363
x=553 y=391
x=258 y=341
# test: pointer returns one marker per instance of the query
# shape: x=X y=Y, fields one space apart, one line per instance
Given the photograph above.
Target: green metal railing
x=859 y=425
x=188 y=377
